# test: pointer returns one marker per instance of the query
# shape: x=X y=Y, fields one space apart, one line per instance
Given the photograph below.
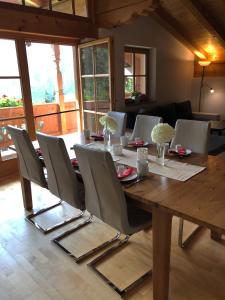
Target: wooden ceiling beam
x=113 y=13
x=206 y=19
x=170 y=23
x=43 y=22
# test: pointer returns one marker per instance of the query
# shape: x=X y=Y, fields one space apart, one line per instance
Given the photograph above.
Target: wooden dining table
x=201 y=200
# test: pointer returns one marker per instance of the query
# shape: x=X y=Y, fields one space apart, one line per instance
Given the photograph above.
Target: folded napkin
x=180 y=152
x=97 y=137
x=74 y=162
x=125 y=172
x=136 y=143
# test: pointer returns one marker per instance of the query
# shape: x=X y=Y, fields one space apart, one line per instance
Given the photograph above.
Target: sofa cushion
x=184 y=110
x=168 y=113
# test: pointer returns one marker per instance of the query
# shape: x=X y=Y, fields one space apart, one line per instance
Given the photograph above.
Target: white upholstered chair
x=64 y=183
x=31 y=168
x=143 y=127
x=105 y=199
x=121 y=119
x=193 y=135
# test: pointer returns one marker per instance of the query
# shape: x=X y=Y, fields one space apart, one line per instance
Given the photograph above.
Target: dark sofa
x=170 y=113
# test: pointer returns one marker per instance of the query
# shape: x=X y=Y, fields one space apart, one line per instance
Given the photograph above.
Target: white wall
x=173 y=71
x=214 y=103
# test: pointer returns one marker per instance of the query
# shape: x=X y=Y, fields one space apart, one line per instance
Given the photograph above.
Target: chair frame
x=94 y=263
x=29 y=218
x=82 y=257
x=184 y=243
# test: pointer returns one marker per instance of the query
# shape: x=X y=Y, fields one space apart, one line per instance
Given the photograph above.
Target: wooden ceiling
x=199 y=24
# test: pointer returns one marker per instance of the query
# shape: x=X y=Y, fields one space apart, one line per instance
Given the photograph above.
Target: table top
x=201 y=199
x=217 y=125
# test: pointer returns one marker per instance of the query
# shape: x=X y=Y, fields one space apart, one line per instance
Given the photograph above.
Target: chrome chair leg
x=122 y=292
x=181 y=243
x=80 y=258
x=30 y=217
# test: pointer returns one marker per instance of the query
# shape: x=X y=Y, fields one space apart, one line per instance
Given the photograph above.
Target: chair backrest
x=104 y=196
x=193 y=135
x=62 y=179
x=31 y=167
x=143 y=127
x=121 y=119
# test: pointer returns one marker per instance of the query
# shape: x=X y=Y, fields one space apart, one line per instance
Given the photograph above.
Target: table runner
x=172 y=169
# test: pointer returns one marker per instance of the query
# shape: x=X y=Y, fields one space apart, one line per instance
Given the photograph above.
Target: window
x=136 y=71
x=73 y=7
x=11 y=102
x=96 y=85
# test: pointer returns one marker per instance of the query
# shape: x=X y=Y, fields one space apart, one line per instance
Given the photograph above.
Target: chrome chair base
x=80 y=258
x=181 y=243
x=122 y=292
x=30 y=217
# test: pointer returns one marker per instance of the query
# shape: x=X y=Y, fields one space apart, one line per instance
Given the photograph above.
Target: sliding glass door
x=38 y=90
x=53 y=88
x=95 y=81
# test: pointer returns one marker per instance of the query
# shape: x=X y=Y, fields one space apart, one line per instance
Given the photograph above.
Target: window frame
x=139 y=50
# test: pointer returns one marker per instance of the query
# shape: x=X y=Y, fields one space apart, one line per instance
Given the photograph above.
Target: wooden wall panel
x=113 y=13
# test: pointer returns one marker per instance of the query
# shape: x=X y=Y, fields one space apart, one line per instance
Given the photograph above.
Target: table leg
x=216 y=236
x=162 y=223
x=26 y=191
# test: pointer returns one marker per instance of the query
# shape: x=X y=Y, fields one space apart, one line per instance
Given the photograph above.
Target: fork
x=134 y=182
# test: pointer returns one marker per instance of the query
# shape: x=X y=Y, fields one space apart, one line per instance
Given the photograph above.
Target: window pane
x=39 y=4
x=102 y=88
x=102 y=59
x=63 y=6
x=5 y=138
x=140 y=84
x=8 y=58
x=129 y=86
x=13 y=1
x=52 y=80
x=81 y=8
x=86 y=61
x=11 y=104
x=89 y=121
x=99 y=125
x=58 y=124
x=140 y=64
x=128 y=63
x=53 y=87
x=88 y=89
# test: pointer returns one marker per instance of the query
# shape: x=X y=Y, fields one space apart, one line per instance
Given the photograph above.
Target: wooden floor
x=32 y=268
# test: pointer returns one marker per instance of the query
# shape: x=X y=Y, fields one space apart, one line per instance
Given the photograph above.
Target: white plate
x=130 y=177
x=188 y=152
